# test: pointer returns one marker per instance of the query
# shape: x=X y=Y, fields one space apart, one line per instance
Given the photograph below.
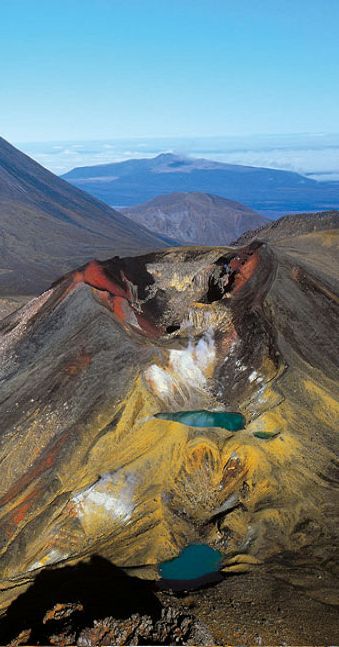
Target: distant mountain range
x=196 y=218
x=271 y=192
x=48 y=227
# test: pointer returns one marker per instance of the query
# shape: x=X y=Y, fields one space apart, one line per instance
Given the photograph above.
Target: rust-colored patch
x=15 y=517
x=78 y=364
x=228 y=340
x=41 y=465
x=118 y=305
x=120 y=308
x=232 y=470
x=94 y=275
x=115 y=297
x=245 y=271
x=149 y=328
x=296 y=273
x=235 y=263
x=21 y=512
x=62 y=610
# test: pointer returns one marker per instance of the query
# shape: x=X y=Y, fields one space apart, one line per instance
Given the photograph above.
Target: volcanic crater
x=90 y=464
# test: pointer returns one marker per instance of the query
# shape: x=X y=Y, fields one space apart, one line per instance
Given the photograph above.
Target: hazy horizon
x=93 y=81
x=312 y=154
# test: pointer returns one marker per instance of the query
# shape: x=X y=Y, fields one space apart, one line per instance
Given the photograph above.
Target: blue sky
x=99 y=69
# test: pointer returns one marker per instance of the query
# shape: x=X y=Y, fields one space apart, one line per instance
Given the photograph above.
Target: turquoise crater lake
x=194 y=562
x=204 y=418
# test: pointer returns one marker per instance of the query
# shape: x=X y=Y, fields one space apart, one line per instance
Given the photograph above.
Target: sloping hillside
x=196 y=218
x=48 y=227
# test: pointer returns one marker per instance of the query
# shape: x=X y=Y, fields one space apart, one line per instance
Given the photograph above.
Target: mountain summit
x=196 y=218
x=49 y=227
x=270 y=191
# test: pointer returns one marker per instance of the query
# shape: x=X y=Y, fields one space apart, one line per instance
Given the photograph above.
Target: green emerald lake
x=194 y=562
x=204 y=418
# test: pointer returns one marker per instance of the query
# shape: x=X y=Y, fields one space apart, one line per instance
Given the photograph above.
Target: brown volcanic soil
x=259 y=609
x=95 y=604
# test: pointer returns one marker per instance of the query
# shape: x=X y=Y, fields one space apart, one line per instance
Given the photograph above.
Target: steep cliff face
x=88 y=469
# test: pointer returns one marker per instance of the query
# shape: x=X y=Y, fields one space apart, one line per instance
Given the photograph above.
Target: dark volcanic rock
x=94 y=604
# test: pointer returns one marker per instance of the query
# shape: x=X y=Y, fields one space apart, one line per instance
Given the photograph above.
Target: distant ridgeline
x=269 y=191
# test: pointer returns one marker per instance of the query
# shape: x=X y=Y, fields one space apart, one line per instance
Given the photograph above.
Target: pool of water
x=266 y=435
x=204 y=418
x=194 y=562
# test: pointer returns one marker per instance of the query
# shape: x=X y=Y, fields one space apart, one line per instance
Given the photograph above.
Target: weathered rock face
x=86 y=467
